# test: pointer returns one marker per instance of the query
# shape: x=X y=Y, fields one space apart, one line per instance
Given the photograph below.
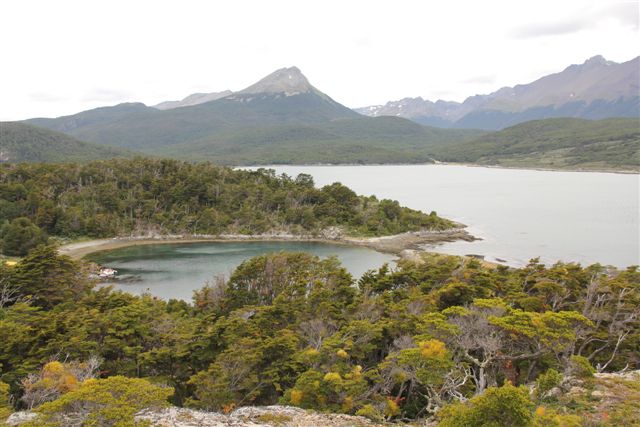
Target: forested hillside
x=305 y=128
x=146 y=196
x=280 y=119
x=439 y=337
x=555 y=143
x=20 y=142
x=358 y=140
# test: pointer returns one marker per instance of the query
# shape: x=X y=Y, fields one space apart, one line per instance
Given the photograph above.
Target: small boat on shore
x=107 y=273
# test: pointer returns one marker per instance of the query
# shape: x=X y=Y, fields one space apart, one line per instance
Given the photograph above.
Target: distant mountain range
x=21 y=142
x=283 y=119
x=596 y=89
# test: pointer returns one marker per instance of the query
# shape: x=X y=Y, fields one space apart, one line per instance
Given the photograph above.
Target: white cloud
x=360 y=52
x=626 y=13
x=106 y=95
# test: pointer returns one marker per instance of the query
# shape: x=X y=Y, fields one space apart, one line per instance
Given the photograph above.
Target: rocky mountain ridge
x=596 y=89
x=193 y=99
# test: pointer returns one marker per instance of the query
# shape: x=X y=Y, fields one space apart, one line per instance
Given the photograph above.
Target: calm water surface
x=176 y=270
x=520 y=214
x=585 y=217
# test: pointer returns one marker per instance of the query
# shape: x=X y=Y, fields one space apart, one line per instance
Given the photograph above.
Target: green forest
x=555 y=143
x=21 y=142
x=560 y=143
x=439 y=336
x=149 y=196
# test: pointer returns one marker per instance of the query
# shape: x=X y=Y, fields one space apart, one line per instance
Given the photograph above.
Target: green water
x=176 y=270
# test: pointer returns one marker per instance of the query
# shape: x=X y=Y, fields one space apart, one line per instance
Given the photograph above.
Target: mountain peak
x=289 y=81
x=596 y=60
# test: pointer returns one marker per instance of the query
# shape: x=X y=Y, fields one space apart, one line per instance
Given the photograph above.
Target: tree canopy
x=291 y=328
x=146 y=196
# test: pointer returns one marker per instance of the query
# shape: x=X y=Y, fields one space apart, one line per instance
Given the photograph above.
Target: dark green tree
x=21 y=235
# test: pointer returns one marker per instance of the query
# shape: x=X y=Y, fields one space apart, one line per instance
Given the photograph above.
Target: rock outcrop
x=251 y=416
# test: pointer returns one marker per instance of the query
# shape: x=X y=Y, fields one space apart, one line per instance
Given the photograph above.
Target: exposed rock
x=611 y=398
x=576 y=391
x=332 y=233
x=289 y=81
x=627 y=375
x=554 y=392
x=20 y=417
x=578 y=91
x=250 y=416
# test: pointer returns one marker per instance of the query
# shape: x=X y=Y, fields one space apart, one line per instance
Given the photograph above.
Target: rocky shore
x=394 y=244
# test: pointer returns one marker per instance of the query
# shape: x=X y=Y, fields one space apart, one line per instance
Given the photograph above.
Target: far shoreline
x=438 y=163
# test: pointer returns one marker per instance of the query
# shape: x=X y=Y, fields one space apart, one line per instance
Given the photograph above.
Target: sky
x=61 y=57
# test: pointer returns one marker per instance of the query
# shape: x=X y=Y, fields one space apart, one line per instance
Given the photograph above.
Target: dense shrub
x=105 y=402
x=19 y=236
x=505 y=406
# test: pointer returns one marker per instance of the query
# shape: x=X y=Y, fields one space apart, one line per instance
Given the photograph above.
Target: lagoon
x=175 y=270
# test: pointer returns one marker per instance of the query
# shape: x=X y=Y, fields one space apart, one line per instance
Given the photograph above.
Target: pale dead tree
x=478 y=341
x=47 y=385
x=436 y=393
x=236 y=370
x=458 y=273
x=454 y=381
x=212 y=293
x=621 y=337
x=9 y=293
x=449 y=390
x=246 y=314
x=613 y=309
x=87 y=369
x=593 y=300
x=416 y=307
x=368 y=310
x=315 y=331
x=403 y=342
x=34 y=395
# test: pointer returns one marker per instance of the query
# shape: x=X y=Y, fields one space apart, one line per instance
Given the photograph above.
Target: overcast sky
x=61 y=57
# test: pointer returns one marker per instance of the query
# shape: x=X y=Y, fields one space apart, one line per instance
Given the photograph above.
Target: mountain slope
x=137 y=126
x=21 y=142
x=565 y=143
x=357 y=140
x=281 y=119
x=96 y=117
x=193 y=99
x=595 y=89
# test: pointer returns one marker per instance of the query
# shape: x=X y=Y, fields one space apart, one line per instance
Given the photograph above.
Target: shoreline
x=542 y=169
x=393 y=244
x=439 y=163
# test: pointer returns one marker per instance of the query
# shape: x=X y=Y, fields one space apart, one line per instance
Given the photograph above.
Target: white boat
x=106 y=273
